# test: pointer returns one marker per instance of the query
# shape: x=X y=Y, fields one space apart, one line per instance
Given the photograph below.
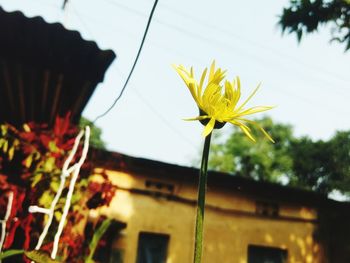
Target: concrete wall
x=231 y=222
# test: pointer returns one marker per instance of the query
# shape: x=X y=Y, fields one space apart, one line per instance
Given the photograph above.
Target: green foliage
x=323 y=165
x=10 y=253
x=310 y=164
x=306 y=16
x=320 y=166
x=262 y=160
x=39 y=257
x=340 y=160
x=96 y=238
x=96 y=133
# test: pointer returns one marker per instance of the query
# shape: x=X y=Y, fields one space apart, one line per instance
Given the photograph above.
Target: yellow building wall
x=227 y=234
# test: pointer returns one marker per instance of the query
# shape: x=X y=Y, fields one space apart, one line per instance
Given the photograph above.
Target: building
x=245 y=221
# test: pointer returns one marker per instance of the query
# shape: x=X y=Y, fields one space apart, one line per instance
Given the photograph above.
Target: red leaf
x=62 y=125
x=45 y=140
x=28 y=136
x=25 y=224
x=11 y=233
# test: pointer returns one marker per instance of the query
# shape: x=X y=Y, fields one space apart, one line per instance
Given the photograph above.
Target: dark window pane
x=117 y=256
x=152 y=248
x=258 y=254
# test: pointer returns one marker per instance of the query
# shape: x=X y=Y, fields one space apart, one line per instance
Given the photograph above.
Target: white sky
x=309 y=82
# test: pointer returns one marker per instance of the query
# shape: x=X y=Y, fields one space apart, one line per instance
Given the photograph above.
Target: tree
x=262 y=160
x=339 y=156
x=306 y=16
x=311 y=164
x=321 y=166
x=96 y=133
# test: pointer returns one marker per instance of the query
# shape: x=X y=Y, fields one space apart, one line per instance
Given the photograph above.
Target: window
x=159 y=186
x=267 y=209
x=152 y=248
x=259 y=254
x=106 y=250
x=159 y=189
x=117 y=256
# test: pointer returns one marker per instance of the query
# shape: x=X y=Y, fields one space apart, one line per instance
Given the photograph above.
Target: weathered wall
x=230 y=223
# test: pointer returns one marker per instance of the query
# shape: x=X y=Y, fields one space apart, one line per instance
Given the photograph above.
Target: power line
x=227 y=46
x=252 y=42
x=324 y=106
x=133 y=66
x=82 y=22
x=64 y=4
x=164 y=120
x=141 y=97
x=159 y=115
x=166 y=48
x=125 y=7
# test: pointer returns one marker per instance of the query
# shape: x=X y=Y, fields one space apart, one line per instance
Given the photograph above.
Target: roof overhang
x=240 y=185
x=45 y=69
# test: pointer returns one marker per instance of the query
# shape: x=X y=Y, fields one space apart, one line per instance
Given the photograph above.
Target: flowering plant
x=218 y=104
x=31 y=161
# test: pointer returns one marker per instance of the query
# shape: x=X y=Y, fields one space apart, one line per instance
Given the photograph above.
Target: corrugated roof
x=45 y=69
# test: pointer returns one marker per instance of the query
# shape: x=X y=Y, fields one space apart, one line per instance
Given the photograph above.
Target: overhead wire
x=225 y=31
x=167 y=48
x=215 y=42
x=324 y=107
x=164 y=120
x=252 y=42
x=81 y=20
x=229 y=47
x=140 y=96
x=133 y=66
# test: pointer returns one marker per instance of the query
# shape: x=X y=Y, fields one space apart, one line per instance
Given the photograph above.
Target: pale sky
x=308 y=82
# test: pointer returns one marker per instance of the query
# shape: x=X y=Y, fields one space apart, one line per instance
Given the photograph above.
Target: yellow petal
x=190 y=82
x=199 y=91
x=209 y=127
x=254 y=110
x=251 y=95
x=247 y=132
x=260 y=128
x=212 y=70
x=267 y=135
x=210 y=94
x=228 y=90
x=237 y=91
x=199 y=118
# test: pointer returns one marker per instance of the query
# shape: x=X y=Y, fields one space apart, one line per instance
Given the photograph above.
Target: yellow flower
x=218 y=102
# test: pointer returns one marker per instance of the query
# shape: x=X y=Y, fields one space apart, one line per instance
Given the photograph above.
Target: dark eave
x=45 y=69
x=246 y=186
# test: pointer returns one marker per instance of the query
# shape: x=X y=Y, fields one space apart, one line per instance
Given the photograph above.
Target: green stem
x=10 y=253
x=198 y=245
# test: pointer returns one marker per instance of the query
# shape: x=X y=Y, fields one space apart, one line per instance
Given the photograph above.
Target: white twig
x=37 y=209
x=4 y=221
x=64 y=174
x=70 y=192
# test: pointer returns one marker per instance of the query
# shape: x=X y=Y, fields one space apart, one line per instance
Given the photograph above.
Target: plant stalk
x=198 y=246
